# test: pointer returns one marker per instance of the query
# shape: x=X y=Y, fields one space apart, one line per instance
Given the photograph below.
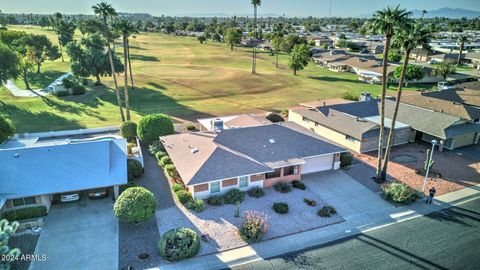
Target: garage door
x=464 y=140
x=317 y=164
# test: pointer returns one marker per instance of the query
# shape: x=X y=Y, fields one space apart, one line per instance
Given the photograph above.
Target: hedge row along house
x=212 y=163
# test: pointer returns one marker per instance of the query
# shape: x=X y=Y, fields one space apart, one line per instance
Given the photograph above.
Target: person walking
x=431 y=194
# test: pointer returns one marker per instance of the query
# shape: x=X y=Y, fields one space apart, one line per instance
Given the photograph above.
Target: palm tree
x=105 y=10
x=444 y=69
x=423 y=13
x=125 y=28
x=461 y=39
x=412 y=36
x=386 y=21
x=255 y=4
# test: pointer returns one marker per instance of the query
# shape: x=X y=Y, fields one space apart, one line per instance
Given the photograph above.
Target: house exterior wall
x=402 y=136
x=203 y=191
x=39 y=200
x=463 y=140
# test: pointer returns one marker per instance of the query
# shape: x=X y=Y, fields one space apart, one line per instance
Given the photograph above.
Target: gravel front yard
x=26 y=242
x=221 y=225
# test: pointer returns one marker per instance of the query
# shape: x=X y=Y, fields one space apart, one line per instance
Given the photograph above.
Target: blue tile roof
x=48 y=169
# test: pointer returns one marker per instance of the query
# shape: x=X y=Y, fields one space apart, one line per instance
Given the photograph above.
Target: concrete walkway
x=17 y=92
x=355 y=207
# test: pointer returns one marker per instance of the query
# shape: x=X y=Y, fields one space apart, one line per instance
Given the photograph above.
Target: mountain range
x=453 y=13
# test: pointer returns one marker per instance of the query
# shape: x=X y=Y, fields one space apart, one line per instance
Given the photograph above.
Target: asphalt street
x=448 y=239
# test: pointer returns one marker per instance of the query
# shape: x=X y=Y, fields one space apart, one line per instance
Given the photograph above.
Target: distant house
x=354 y=125
x=325 y=58
x=210 y=163
x=369 y=70
x=321 y=41
x=420 y=55
x=445 y=57
x=472 y=59
x=233 y=121
x=35 y=170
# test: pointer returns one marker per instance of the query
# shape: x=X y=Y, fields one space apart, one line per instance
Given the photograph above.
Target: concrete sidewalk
x=354 y=224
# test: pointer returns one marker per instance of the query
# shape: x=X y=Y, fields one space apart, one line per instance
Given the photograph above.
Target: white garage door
x=317 y=164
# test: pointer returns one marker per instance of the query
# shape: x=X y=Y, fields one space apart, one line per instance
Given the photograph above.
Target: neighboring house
x=420 y=55
x=451 y=58
x=369 y=70
x=325 y=58
x=35 y=170
x=472 y=59
x=376 y=49
x=260 y=156
x=321 y=41
x=353 y=125
x=233 y=121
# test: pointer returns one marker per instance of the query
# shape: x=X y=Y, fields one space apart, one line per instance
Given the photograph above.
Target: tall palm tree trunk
x=125 y=76
x=254 y=57
x=382 y=110
x=110 y=57
x=129 y=62
x=391 y=134
x=460 y=54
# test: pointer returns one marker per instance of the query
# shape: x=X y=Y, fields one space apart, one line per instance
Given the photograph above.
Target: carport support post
x=116 y=191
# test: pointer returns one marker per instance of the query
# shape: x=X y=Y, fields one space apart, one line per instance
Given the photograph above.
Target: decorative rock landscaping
x=222 y=227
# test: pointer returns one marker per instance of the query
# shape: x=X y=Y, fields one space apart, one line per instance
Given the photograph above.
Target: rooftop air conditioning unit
x=272 y=141
x=217 y=125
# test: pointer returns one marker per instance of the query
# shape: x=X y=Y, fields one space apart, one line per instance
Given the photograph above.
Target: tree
x=26 y=65
x=89 y=58
x=7 y=229
x=6 y=129
x=410 y=37
x=386 y=22
x=202 y=39
x=290 y=41
x=255 y=4
x=444 y=69
x=9 y=64
x=125 y=28
x=233 y=37
x=394 y=56
x=7 y=37
x=105 y=10
x=461 y=39
x=152 y=126
x=40 y=46
x=90 y=26
x=413 y=72
x=65 y=31
x=300 y=57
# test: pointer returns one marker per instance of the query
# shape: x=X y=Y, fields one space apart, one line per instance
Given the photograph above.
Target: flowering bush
x=254 y=226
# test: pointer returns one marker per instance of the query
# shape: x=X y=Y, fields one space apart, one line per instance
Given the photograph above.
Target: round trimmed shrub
x=234 y=196
x=6 y=129
x=134 y=169
x=179 y=244
x=191 y=127
x=128 y=129
x=135 y=205
x=170 y=170
x=160 y=154
x=184 y=197
x=282 y=187
x=256 y=192
x=275 y=118
x=78 y=89
x=177 y=187
x=216 y=200
x=399 y=192
x=299 y=185
x=310 y=202
x=280 y=208
x=152 y=126
x=196 y=205
x=164 y=161
x=254 y=226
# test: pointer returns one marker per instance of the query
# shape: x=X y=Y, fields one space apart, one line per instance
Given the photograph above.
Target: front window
x=274 y=174
x=23 y=201
x=243 y=181
x=350 y=138
x=214 y=187
x=290 y=170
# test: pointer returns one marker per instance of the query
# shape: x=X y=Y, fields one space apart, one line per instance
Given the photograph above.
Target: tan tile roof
x=247 y=120
x=319 y=103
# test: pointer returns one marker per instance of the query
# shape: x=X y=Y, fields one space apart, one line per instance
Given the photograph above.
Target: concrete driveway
x=350 y=198
x=79 y=235
x=472 y=151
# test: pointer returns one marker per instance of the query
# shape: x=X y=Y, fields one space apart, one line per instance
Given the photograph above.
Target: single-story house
x=369 y=70
x=325 y=58
x=321 y=41
x=34 y=170
x=233 y=121
x=353 y=125
x=258 y=156
x=472 y=59
x=420 y=55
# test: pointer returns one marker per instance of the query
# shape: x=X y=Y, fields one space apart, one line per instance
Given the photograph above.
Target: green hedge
x=179 y=244
x=165 y=160
x=152 y=126
x=6 y=129
x=234 y=196
x=400 y=193
x=170 y=170
x=25 y=213
x=78 y=89
x=184 y=197
x=275 y=118
x=160 y=154
x=135 y=205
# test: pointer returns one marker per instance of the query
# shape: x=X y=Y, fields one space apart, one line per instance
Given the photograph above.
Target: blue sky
x=289 y=7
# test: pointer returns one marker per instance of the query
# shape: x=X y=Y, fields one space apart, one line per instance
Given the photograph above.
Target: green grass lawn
x=183 y=78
